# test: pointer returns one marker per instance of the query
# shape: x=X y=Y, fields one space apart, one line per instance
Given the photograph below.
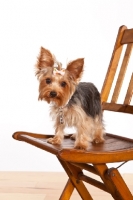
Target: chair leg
x=67 y=192
x=102 y=170
x=121 y=187
x=114 y=182
x=79 y=185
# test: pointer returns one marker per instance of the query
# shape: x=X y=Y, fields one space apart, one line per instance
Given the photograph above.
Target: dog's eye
x=48 y=80
x=63 y=84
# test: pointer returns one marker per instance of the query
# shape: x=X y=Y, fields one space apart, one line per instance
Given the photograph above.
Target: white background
x=70 y=29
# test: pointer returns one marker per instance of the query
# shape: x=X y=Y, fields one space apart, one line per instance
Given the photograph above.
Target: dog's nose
x=53 y=94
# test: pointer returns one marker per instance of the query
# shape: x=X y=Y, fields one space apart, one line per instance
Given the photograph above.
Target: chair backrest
x=124 y=38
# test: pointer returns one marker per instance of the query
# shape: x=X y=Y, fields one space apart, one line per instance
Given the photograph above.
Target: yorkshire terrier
x=73 y=103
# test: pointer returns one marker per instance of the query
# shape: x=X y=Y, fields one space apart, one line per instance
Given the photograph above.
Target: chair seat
x=114 y=149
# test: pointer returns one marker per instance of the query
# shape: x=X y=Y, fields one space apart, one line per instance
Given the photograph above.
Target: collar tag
x=61 y=115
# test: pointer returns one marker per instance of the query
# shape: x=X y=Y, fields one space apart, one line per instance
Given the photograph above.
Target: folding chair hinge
x=111 y=172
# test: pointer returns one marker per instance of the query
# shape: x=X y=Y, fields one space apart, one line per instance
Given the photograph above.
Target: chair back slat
x=113 y=65
x=122 y=73
x=129 y=92
x=117 y=74
x=127 y=37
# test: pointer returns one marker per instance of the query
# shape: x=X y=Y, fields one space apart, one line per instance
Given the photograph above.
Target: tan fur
x=63 y=94
x=87 y=128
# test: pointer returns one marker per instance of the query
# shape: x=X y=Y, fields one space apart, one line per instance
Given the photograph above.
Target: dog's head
x=56 y=83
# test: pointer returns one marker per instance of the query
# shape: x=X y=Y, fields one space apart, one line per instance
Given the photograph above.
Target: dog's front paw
x=82 y=146
x=55 y=140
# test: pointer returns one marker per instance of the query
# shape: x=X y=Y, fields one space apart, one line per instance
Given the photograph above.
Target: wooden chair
x=96 y=158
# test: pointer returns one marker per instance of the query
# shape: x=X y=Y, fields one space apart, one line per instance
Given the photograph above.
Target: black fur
x=88 y=97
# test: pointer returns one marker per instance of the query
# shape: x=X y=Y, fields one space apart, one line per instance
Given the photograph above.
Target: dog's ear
x=75 y=68
x=45 y=59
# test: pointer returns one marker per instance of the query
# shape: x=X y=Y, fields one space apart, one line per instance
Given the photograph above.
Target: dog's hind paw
x=98 y=140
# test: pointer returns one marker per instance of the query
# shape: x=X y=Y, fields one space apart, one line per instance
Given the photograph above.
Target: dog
x=73 y=103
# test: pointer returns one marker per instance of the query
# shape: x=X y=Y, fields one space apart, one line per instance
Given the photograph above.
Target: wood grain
x=43 y=186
